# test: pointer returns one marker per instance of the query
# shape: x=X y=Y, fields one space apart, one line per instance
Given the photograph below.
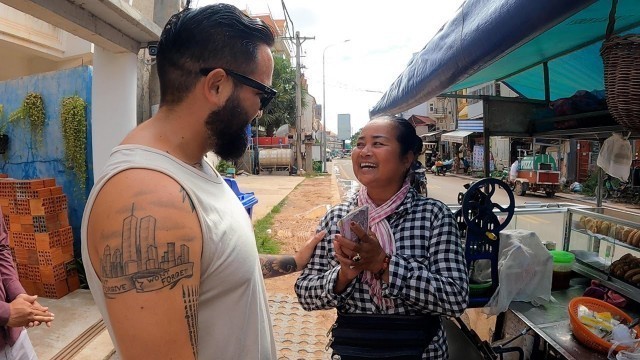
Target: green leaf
x=73 y=121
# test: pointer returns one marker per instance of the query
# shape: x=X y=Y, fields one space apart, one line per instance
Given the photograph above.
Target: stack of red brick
x=41 y=240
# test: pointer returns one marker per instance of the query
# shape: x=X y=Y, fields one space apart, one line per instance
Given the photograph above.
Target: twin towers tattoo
x=138 y=264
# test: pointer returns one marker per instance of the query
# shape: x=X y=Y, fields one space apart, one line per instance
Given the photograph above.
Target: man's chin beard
x=231 y=151
x=227 y=139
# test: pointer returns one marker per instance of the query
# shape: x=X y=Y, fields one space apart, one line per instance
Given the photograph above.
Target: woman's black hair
x=407 y=137
x=213 y=36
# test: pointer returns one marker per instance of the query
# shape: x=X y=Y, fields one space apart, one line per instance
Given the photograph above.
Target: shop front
x=550 y=57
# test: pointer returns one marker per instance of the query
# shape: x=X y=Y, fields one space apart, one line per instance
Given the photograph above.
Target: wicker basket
x=621 y=58
x=583 y=334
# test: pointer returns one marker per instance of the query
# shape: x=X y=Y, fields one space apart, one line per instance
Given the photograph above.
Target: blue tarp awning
x=508 y=40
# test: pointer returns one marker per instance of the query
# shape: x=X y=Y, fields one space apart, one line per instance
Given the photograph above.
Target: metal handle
x=634 y=323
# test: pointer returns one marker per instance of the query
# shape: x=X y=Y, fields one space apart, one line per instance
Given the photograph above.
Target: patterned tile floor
x=297 y=334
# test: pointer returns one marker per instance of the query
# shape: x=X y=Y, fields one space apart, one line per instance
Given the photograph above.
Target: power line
x=350 y=88
x=287 y=17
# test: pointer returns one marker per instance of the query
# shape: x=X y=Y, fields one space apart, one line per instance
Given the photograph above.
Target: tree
x=282 y=109
x=354 y=138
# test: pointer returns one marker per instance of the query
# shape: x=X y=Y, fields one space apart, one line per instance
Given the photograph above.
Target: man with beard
x=168 y=248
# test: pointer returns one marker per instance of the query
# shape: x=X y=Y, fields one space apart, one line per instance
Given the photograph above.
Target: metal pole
x=485 y=134
x=547 y=89
x=324 y=118
x=298 y=106
x=324 y=111
x=256 y=153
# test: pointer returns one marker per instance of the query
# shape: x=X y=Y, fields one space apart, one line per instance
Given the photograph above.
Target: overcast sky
x=383 y=36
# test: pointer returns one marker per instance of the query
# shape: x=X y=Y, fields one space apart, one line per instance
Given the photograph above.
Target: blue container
x=247 y=199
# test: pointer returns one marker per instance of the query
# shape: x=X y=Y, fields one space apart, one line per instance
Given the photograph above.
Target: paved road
x=549 y=227
x=443 y=188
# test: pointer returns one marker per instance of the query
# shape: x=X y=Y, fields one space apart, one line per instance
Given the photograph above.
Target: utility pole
x=299 y=141
x=298 y=41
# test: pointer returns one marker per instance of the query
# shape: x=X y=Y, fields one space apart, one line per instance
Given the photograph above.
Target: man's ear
x=217 y=87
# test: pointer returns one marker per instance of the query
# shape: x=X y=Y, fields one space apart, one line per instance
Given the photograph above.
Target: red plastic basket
x=583 y=334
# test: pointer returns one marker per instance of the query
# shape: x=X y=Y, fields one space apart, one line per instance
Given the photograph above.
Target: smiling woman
x=383 y=156
x=408 y=268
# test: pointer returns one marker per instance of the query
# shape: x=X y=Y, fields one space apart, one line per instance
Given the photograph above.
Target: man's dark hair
x=217 y=35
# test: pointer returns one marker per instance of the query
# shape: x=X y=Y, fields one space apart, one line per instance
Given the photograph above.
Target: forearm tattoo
x=190 y=299
x=277 y=265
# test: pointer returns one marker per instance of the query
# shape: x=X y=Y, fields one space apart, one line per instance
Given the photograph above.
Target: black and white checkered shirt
x=427 y=273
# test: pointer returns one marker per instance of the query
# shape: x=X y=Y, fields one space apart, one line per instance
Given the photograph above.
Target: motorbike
x=618 y=189
x=441 y=167
x=420 y=181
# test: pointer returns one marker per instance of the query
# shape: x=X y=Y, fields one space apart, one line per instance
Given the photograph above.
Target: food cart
x=537 y=173
x=543 y=54
x=595 y=235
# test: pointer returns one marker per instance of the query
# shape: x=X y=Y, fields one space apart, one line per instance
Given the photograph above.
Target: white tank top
x=233 y=312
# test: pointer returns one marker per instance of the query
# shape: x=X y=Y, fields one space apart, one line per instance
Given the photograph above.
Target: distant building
x=344 y=127
x=282 y=45
x=332 y=141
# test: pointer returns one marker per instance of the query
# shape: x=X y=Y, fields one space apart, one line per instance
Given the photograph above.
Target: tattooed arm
x=278 y=265
x=145 y=244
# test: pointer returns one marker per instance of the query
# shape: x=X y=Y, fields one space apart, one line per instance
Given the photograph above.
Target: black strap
x=375 y=336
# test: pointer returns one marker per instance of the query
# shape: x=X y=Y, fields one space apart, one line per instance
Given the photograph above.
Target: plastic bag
x=632 y=353
x=615 y=157
x=576 y=187
x=525 y=271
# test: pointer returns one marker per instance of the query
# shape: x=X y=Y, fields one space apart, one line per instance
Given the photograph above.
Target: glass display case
x=606 y=243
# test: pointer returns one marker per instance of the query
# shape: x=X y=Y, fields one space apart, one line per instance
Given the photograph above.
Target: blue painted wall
x=25 y=159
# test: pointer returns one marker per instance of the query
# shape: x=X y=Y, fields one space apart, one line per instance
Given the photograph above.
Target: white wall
x=506 y=91
x=500 y=147
x=29 y=46
x=113 y=109
x=476 y=109
x=420 y=109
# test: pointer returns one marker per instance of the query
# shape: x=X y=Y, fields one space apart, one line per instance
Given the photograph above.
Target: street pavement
x=446 y=189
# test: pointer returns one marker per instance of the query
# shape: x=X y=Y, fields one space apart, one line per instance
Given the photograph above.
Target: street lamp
x=324 y=110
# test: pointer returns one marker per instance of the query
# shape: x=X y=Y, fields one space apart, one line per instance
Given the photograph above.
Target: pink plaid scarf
x=380 y=226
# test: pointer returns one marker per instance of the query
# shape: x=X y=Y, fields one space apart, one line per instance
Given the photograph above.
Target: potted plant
x=33 y=113
x=4 y=138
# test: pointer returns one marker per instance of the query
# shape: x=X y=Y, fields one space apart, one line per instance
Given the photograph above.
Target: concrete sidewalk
x=78 y=332
x=269 y=189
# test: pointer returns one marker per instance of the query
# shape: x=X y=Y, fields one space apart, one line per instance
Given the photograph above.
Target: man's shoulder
x=135 y=187
x=137 y=179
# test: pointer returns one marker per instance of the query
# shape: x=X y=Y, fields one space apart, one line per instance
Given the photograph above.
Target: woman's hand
x=25 y=311
x=37 y=306
x=344 y=255
x=367 y=250
x=348 y=271
x=303 y=255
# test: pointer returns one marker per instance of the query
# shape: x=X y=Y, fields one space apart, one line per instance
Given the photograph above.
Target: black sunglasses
x=267 y=93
